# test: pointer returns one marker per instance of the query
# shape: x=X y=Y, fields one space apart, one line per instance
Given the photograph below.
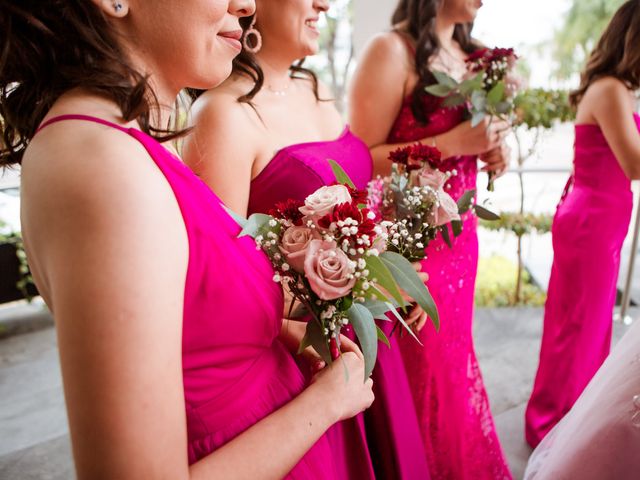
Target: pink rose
x=447 y=209
x=295 y=243
x=329 y=270
x=322 y=201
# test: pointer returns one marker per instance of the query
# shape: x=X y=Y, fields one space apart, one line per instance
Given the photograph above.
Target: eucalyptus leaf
x=365 y=328
x=340 y=174
x=405 y=325
x=454 y=100
x=240 y=220
x=384 y=278
x=479 y=100
x=382 y=337
x=496 y=94
x=318 y=340
x=471 y=85
x=477 y=118
x=466 y=201
x=438 y=90
x=255 y=224
x=444 y=79
x=410 y=282
x=485 y=214
x=456 y=227
x=445 y=236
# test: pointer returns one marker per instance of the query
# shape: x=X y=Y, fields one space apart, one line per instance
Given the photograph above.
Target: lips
x=232 y=38
x=312 y=23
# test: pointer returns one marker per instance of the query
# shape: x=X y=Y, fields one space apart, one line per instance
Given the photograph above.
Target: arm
x=375 y=98
x=107 y=237
x=220 y=149
x=611 y=105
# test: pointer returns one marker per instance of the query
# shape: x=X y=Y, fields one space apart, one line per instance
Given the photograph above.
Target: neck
x=444 y=31
x=275 y=68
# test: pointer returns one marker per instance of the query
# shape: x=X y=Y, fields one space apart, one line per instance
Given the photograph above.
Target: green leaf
x=496 y=94
x=378 y=270
x=365 y=328
x=382 y=337
x=340 y=174
x=479 y=100
x=485 y=214
x=256 y=223
x=438 y=90
x=305 y=342
x=453 y=101
x=318 y=340
x=404 y=324
x=471 y=85
x=410 y=282
x=456 y=227
x=466 y=201
x=377 y=308
x=477 y=118
x=240 y=220
x=445 y=236
x=444 y=79
x=503 y=108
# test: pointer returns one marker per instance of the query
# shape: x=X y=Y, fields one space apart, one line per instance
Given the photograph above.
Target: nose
x=321 y=5
x=242 y=8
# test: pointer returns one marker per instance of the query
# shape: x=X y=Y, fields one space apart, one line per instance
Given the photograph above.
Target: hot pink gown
x=453 y=409
x=588 y=231
x=235 y=370
x=389 y=438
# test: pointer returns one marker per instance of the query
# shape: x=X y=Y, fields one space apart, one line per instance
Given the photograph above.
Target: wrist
x=323 y=403
x=440 y=142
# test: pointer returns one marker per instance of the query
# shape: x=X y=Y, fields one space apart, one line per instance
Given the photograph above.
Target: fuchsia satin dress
x=588 y=230
x=389 y=439
x=235 y=370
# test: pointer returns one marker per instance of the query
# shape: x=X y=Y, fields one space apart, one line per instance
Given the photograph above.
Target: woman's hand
x=317 y=363
x=464 y=139
x=347 y=393
x=497 y=160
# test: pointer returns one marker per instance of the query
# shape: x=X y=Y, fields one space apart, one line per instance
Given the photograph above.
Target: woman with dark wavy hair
x=590 y=226
x=389 y=108
x=280 y=125
x=165 y=377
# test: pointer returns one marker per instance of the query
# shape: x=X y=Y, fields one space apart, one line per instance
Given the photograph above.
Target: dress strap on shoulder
x=86 y=118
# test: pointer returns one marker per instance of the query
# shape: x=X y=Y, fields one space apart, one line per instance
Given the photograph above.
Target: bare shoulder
x=387 y=45
x=606 y=90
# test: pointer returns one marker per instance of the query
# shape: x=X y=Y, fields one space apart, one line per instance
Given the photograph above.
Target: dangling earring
x=257 y=38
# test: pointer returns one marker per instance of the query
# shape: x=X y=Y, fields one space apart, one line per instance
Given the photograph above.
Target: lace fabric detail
x=452 y=405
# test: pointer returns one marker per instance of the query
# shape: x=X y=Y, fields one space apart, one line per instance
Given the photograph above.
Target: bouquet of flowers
x=330 y=255
x=413 y=204
x=488 y=88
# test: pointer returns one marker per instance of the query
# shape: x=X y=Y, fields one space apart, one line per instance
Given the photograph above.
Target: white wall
x=371 y=17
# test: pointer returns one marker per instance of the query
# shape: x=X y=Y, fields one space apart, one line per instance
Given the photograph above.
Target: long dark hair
x=246 y=64
x=617 y=53
x=420 y=19
x=46 y=51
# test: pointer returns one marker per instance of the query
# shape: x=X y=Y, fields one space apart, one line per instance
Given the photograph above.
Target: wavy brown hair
x=617 y=53
x=47 y=50
x=419 y=16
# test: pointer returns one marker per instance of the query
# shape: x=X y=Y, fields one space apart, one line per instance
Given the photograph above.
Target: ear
x=113 y=8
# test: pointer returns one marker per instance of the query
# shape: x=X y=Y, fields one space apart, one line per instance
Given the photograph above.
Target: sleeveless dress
x=449 y=395
x=392 y=434
x=588 y=231
x=235 y=370
x=600 y=436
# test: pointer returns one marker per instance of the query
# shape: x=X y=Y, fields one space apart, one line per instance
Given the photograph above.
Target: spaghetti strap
x=407 y=40
x=87 y=118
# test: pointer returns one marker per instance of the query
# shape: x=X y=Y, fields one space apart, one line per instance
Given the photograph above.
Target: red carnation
x=426 y=154
x=359 y=196
x=400 y=155
x=477 y=55
x=342 y=212
x=289 y=210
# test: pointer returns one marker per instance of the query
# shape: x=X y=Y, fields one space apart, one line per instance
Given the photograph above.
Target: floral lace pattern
x=451 y=402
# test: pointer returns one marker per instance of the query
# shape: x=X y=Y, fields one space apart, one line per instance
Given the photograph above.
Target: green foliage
x=520 y=224
x=583 y=24
x=495 y=285
x=540 y=108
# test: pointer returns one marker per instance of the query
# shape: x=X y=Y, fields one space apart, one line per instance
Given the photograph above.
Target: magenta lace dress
x=453 y=410
x=387 y=438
